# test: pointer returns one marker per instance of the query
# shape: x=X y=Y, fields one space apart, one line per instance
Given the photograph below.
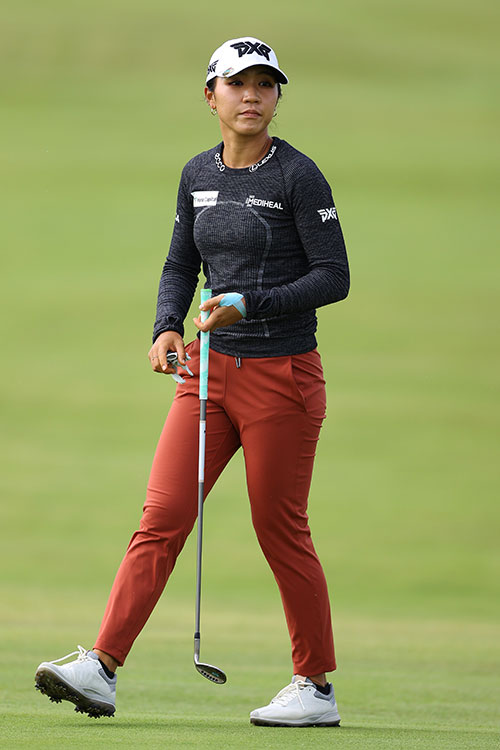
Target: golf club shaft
x=204 y=349
x=201 y=491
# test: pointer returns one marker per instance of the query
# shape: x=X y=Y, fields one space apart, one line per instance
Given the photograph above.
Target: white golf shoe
x=82 y=681
x=299 y=704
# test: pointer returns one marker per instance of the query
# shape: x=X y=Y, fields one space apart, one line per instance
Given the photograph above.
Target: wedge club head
x=214 y=674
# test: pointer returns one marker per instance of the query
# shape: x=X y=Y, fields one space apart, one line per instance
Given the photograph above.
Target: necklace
x=253 y=167
x=220 y=165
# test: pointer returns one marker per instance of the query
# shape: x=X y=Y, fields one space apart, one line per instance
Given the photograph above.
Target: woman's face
x=246 y=101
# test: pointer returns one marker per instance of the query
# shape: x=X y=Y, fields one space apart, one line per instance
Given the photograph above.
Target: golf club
x=214 y=674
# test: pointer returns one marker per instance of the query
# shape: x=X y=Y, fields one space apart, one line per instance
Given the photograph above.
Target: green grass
x=423 y=683
x=101 y=107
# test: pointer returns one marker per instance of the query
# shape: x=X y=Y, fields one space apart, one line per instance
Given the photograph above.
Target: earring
x=213 y=111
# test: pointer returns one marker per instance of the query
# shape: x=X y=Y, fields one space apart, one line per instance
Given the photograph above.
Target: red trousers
x=274 y=408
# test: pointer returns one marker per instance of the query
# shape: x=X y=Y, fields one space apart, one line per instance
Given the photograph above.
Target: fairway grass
x=408 y=682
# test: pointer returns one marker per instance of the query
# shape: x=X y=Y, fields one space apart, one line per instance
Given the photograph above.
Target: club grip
x=204 y=347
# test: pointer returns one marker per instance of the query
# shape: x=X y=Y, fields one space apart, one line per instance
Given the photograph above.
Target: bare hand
x=168 y=341
x=219 y=316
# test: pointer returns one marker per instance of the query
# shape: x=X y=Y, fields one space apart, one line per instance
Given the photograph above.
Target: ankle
x=106 y=659
x=318 y=679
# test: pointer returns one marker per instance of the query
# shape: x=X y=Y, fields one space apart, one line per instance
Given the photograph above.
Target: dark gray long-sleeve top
x=270 y=232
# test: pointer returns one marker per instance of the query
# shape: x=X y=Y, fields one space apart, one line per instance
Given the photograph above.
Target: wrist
x=234 y=299
x=167 y=331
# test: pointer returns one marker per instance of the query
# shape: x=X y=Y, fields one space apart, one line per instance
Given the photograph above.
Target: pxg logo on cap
x=236 y=55
x=247 y=48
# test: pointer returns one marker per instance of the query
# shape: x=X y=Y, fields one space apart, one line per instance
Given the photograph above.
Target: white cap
x=236 y=55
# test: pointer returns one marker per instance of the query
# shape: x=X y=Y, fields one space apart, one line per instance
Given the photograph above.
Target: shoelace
x=291 y=691
x=82 y=655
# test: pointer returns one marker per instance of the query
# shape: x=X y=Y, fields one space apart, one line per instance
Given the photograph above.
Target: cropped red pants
x=274 y=408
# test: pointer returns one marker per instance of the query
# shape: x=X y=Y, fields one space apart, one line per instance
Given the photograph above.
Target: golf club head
x=214 y=674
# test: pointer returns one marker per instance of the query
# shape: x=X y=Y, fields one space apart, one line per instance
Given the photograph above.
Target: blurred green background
x=101 y=106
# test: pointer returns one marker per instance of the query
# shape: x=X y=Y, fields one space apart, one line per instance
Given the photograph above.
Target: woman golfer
x=259 y=216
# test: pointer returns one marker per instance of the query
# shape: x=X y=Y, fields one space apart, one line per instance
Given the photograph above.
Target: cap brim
x=276 y=72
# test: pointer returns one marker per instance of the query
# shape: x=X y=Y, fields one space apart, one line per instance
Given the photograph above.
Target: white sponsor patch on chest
x=205 y=198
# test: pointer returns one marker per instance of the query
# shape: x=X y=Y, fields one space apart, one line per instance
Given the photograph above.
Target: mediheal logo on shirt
x=253 y=201
x=204 y=198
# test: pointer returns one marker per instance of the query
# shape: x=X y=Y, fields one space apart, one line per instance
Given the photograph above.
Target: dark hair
x=211 y=86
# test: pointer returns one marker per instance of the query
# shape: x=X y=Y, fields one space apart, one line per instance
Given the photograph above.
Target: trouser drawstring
x=238 y=362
